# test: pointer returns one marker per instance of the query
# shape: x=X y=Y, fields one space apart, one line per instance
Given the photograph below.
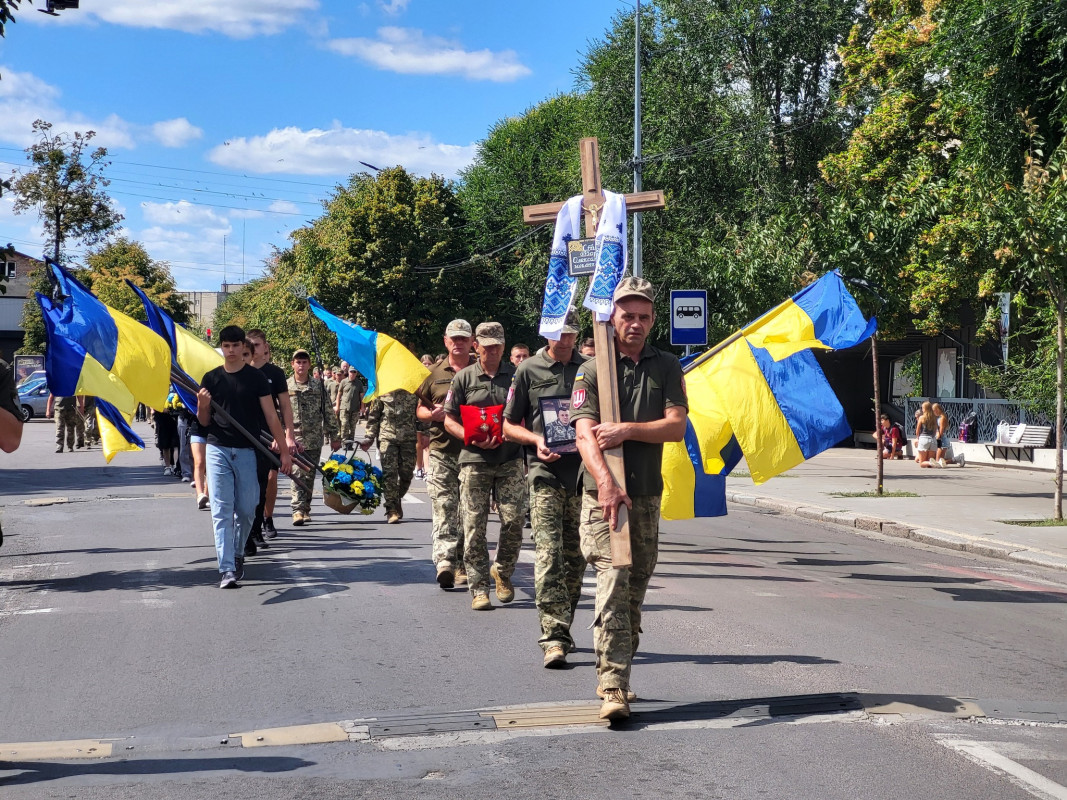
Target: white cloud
x=393 y=7
x=284 y=207
x=339 y=150
x=240 y=19
x=181 y=213
x=25 y=98
x=410 y=52
x=176 y=132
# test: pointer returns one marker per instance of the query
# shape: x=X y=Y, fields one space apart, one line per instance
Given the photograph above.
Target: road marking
x=1023 y=777
x=55 y=751
x=26 y=611
x=46 y=501
x=315 y=733
x=410 y=498
x=43 y=564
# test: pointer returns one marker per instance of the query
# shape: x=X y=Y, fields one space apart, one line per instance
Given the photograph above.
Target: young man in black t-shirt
x=263 y=525
x=244 y=393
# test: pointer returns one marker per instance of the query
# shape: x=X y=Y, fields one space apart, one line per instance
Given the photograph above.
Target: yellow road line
x=55 y=751
x=318 y=733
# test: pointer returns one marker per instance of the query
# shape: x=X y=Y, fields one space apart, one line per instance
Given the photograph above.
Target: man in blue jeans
x=244 y=393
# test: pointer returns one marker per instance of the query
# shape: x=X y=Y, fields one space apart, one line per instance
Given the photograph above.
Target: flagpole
x=187 y=383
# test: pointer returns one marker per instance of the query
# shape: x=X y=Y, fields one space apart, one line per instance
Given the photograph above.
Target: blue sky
x=232 y=119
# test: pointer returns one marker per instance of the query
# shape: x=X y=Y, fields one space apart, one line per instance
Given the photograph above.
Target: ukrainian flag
x=189 y=353
x=116 y=435
x=382 y=360
x=761 y=394
x=96 y=350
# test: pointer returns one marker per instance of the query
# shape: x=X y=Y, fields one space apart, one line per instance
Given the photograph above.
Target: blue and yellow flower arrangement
x=353 y=481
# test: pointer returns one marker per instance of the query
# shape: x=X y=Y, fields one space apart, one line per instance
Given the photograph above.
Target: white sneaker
x=168 y=471
x=941 y=463
x=961 y=459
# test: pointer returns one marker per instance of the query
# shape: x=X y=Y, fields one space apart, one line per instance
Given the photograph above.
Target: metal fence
x=990 y=414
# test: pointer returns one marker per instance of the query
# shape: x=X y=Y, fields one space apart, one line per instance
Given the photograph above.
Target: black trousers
x=263 y=468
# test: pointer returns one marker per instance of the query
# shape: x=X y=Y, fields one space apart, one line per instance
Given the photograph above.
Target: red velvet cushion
x=481 y=423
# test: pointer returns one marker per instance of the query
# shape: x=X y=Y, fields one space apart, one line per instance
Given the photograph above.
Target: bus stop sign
x=689 y=317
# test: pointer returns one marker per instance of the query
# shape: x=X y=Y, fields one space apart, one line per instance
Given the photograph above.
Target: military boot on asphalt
x=505 y=592
x=480 y=602
x=461 y=575
x=446 y=578
x=630 y=695
x=392 y=518
x=555 y=658
x=615 y=706
x=298 y=518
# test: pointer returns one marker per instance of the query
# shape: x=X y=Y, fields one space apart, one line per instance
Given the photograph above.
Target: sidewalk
x=958 y=508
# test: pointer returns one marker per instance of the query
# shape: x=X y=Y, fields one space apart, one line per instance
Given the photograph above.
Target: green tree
x=65 y=187
x=111 y=265
x=737 y=110
x=524 y=160
x=374 y=257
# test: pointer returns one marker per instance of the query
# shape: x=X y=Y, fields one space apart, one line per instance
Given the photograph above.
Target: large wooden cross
x=603 y=334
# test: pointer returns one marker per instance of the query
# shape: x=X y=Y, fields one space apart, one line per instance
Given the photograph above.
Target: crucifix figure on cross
x=603 y=335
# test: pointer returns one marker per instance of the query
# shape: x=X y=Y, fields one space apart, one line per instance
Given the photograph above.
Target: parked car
x=33 y=399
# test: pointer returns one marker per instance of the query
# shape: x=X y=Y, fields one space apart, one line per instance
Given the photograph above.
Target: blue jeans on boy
x=234 y=489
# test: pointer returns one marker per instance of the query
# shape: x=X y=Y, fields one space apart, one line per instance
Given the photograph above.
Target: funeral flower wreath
x=354 y=480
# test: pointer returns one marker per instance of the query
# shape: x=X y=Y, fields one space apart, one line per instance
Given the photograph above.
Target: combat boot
x=505 y=592
x=555 y=657
x=480 y=602
x=615 y=705
x=630 y=694
x=461 y=575
x=298 y=518
x=446 y=578
x=392 y=518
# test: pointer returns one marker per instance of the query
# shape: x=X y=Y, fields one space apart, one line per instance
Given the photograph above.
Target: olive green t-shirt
x=646 y=390
x=473 y=387
x=434 y=390
x=542 y=376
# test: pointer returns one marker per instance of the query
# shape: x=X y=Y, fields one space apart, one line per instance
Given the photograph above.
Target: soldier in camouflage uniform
x=486 y=466
x=349 y=401
x=92 y=431
x=391 y=420
x=555 y=505
x=66 y=412
x=313 y=419
x=652 y=410
x=443 y=485
x=332 y=385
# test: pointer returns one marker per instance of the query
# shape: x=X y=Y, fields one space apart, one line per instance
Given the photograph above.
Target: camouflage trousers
x=398 y=464
x=92 y=429
x=301 y=498
x=476 y=485
x=349 y=420
x=66 y=427
x=619 y=592
x=443 y=487
x=558 y=564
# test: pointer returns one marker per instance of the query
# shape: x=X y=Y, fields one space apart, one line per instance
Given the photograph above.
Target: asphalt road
x=780 y=659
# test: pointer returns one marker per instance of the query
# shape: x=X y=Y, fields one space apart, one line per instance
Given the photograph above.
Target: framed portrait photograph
x=560 y=436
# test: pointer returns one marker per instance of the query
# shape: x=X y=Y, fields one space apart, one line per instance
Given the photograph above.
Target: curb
x=950 y=540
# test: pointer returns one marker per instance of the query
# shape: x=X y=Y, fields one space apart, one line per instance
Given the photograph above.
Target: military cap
x=458 y=327
x=489 y=333
x=301 y=353
x=634 y=287
x=571 y=324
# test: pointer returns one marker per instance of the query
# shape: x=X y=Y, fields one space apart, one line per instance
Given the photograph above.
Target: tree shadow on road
x=38 y=771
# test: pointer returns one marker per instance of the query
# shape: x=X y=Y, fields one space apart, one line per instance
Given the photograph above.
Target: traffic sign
x=689 y=317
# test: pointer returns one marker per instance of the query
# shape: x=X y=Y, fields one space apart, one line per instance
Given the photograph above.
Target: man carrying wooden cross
x=653 y=410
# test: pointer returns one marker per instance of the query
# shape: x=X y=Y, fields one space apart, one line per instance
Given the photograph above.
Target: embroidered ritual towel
x=560 y=286
x=610 y=257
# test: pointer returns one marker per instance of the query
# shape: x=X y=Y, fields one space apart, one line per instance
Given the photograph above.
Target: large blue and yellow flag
x=382 y=360
x=189 y=353
x=95 y=350
x=761 y=394
x=116 y=435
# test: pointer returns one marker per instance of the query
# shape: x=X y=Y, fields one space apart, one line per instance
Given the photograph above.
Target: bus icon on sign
x=689 y=311
x=689 y=317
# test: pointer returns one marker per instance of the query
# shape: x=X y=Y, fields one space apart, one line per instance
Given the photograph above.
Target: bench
x=1022 y=441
